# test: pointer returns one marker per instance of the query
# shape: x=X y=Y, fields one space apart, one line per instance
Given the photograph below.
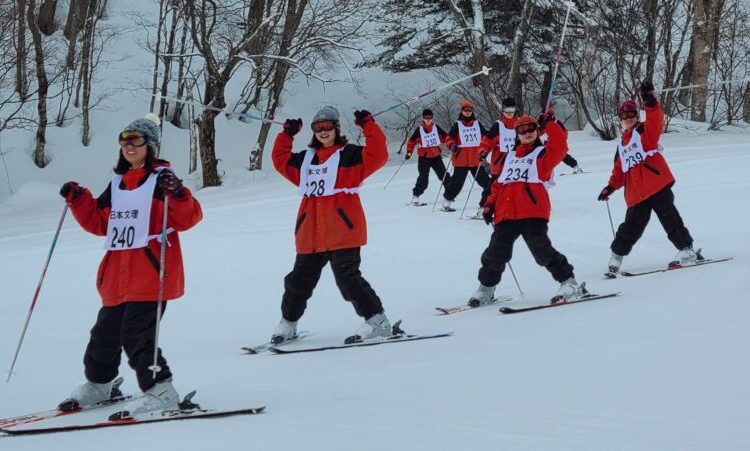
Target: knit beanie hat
x=465 y=103
x=509 y=102
x=427 y=112
x=525 y=120
x=628 y=105
x=327 y=113
x=147 y=126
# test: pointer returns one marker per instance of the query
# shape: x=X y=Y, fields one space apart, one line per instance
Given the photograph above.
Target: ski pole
x=679 y=88
x=513 y=273
x=611 y=224
x=36 y=292
x=473 y=181
x=442 y=182
x=558 y=57
x=394 y=174
x=162 y=259
x=227 y=114
x=485 y=71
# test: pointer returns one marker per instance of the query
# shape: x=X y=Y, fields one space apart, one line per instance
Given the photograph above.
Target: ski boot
x=375 y=326
x=577 y=170
x=483 y=296
x=284 y=331
x=91 y=393
x=686 y=256
x=447 y=206
x=569 y=290
x=161 y=397
x=615 y=262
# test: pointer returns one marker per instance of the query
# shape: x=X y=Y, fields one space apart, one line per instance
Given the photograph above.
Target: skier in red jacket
x=129 y=213
x=330 y=222
x=519 y=206
x=641 y=168
x=427 y=138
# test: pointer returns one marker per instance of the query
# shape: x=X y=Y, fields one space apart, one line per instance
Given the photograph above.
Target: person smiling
x=129 y=213
x=330 y=223
x=640 y=167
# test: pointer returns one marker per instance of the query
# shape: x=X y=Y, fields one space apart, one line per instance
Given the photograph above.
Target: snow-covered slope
x=662 y=367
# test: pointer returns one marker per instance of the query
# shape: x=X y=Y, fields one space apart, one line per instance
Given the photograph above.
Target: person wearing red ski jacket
x=519 y=206
x=501 y=138
x=129 y=214
x=464 y=141
x=330 y=223
x=642 y=170
x=427 y=138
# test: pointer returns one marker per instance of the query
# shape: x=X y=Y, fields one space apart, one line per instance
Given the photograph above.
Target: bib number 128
x=316 y=188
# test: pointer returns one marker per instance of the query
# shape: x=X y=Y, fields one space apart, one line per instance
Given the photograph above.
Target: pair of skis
x=397 y=336
x=509 y=310
x=705 y=261
x=97 y=416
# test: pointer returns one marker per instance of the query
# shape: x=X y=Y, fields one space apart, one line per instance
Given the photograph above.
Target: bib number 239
x=123 y=238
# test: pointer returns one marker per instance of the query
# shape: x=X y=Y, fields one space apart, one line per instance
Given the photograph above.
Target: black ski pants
x=500 y=250
x=637 y=217
x=300 y=283
x=130 y=326
x=423 y=167
x=459 y=177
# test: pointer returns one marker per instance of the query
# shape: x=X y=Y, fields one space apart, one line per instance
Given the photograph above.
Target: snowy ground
x=658 y=368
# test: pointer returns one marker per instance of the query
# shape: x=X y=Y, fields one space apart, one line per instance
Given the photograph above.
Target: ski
x=707 y=261
x=54 y=413
x=268 y=345
x=371 y=342
x=574 y=173
x=464 y=307
x=418 y=204
x=584 y=298
x=474 y=217
x=168 y=415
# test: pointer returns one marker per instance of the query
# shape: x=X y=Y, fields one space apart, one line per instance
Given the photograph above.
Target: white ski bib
x=130 y=215
x=633 y=154
x=431 y=139
x=319 y=180
x=523 y=170
x=470 y=136
x=506 y=139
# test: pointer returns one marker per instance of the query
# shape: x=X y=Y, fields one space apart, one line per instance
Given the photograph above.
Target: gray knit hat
x=148 y=126
x=327 y=113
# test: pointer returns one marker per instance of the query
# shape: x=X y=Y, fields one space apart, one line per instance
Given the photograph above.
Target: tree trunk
x=22 y=82
x=213 y=95
x=515 y=85
x=157 y=53
x=652 y=11
x=746 y=105
x=168 y=65
x=181 y=83
x=705 y=31
x=86 y=55
x=47 y=17
x=76 y=18
x=43 y=86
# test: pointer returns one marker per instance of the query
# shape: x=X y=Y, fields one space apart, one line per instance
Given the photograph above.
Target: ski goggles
x=468 y=109
x=525 y=129
x=323 y=126
x=509 y=110
x=628 y=115
x=135 y=139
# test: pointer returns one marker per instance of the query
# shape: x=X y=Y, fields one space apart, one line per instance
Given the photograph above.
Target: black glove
x=453 y=148
x=292 y=126
x=606 y=192
x=361 y=117
x=169 y=182
x=488 y=213
x=408 y=155
x=544 y=118
x=647 y=93
x=70 y=191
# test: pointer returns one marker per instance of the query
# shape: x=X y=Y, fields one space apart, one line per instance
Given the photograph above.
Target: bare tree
x=706 y=15
x=42 y=85
x=22 y=83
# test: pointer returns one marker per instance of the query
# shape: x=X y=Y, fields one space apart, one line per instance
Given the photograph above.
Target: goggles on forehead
x=135 y=139
x=323 y=126
x=510 y=109
x=524 y=129
x=628 y=115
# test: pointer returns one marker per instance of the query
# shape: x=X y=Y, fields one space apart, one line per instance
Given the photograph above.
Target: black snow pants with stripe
x=423 y=167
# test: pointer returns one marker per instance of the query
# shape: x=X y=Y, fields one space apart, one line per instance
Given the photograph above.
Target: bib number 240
x=124 y=238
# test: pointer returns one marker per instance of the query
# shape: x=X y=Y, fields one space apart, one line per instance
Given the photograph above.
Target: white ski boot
x=615 y=262
x=376 y=326
x=90 y=393
x=415 y=201
x=577 y=170
x=447 y=205
x=160 y=397
x=284 y=331
x=483 y=296
x=569 y=290
x=686 y=256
